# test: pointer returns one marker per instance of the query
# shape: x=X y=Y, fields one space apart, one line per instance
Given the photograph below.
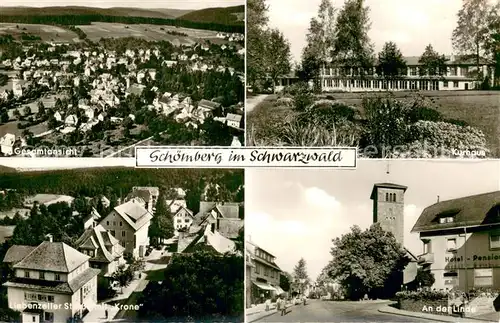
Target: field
x=46 y=32
x=98 y=30
x=478 y=109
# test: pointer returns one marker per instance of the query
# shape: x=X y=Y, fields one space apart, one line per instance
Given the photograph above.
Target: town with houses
x=103 y=98
x=55 y=281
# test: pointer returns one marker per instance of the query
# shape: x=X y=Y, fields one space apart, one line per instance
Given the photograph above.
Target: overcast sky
x=296 y=213
x=171 y=4
x=411 y=24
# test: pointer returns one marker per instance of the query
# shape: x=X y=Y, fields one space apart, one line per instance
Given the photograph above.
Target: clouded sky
x=411 y=24
x=297 y=213
x=171 y=4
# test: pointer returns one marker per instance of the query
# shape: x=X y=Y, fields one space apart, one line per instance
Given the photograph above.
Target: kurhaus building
x=461 y=242
x=460 y=74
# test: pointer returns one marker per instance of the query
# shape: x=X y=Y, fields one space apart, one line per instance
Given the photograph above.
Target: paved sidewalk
x=438 y=318
x=259 y=311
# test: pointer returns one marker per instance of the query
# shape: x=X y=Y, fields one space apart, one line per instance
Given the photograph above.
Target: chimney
x=49 y=238
x=218 y=223
x=438 y=199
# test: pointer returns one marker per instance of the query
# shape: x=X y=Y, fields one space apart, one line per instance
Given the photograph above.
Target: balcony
x=426 y=258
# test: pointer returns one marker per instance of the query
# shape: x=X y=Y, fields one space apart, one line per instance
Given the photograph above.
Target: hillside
x=227 y=16
x=216 y=19
x=75 y=10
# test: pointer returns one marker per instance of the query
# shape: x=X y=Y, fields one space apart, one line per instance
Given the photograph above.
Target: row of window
x=263 y=255
x=411 y=71
x=452 y=244
x=41 y=275
x=390 y=197
x=482 y=278
x=38 y=297
x=187 y=220
x=384 y=84
x=114 y=223
x=266 y=271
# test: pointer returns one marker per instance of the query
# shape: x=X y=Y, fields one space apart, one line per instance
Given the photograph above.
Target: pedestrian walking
x=268 y=304
x=106 y=313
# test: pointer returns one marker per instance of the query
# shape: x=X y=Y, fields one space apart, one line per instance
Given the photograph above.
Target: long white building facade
x=461 y=74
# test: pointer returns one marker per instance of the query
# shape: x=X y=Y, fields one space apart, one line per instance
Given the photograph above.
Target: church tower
x=388 y=208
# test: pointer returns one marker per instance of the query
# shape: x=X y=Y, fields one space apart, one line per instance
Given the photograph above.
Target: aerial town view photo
x=378 y=244
x=397 y=79
x=121 y=245
x=96 y=82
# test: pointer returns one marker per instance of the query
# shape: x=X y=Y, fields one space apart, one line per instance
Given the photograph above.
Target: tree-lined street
x=327 y=311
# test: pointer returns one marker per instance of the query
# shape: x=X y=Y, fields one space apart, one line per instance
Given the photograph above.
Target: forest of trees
x=73 y=20
x=205 y=286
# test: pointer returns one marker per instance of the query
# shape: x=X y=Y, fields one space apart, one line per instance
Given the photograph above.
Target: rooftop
x=50 y=256
x=467 y=211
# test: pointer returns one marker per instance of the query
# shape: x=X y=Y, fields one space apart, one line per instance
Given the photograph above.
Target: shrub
x=386 y=121
x=302 y=97
x=285 y=101
x=424 y=114
x=344 y=133
x=425 y=294
x=443 y=134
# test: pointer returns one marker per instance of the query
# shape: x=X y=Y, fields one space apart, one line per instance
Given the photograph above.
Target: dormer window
x=447 y=216
x=26 y=274
x=448 y=219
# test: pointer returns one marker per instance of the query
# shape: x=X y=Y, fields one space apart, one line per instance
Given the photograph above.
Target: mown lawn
x=479 y=109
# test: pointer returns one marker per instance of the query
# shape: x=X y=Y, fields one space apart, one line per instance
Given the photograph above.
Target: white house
x=233 y=120
x=129 y=223
x=55 y=277
x=105 y=250
x=7 y=144
x=182 y=219
x=58 y=116
x=71 y=120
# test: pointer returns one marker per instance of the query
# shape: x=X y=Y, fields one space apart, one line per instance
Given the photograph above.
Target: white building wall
x=60 y=307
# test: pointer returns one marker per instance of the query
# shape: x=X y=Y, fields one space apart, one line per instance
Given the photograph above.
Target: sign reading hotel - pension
x=472 y=258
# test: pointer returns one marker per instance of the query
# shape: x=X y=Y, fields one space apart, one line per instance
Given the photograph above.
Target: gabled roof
x=226 y=209
x=208 y=104
x=53 y=256
x=233 y=117
x=188 y=211
x=134 y=214
x=99 y=238
x=466 y=211
x=386 y=185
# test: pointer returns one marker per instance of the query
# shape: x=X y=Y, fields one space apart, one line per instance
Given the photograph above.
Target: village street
x=326 y=311
x=154 y=262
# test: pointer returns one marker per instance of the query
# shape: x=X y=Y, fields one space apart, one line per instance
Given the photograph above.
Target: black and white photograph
x=397 y=79
x=97 y=78
x=118 y=244
x=392 y=241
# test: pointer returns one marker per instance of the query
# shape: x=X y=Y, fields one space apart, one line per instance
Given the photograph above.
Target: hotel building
x=461 y=242
x=460 y=74
x=264 y=279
